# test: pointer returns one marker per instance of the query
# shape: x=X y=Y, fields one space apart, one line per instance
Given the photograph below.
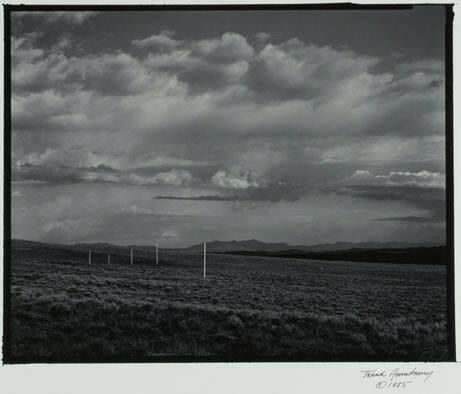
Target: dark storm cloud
x=204 y=76
x=201 y=198
x=271 y=193
x=423 y=190
x=46 y=175
x=430 y=200
x=61 y=175
x=102 y=168
x=411 y=219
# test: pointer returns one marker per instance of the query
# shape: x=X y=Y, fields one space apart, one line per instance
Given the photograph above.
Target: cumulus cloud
x=70 y=17
x=23 y=50
x=162 y=42
x=306 y=84
x=203 y=75
x=173 y=177
x=205 y=64
x=116 y=73
x=422 y=179
x=231 y=47
x=294 y=70
x=262 y=36
x=72 y=157
x=233 y=181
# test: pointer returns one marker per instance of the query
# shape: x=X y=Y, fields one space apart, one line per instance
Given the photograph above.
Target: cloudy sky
x=179 y=127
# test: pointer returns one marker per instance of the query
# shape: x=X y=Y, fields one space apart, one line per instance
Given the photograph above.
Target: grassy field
x=247 y=308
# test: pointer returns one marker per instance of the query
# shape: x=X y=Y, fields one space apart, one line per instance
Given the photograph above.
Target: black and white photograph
x=209 y=184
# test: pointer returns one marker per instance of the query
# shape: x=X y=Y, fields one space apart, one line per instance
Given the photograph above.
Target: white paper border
x=216 y=378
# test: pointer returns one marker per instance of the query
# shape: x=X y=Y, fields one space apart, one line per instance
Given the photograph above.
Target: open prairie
x=248 y=307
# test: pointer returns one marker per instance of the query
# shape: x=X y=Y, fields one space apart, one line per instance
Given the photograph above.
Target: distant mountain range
x=254 y=245
x=251 y=245
x=94 y=246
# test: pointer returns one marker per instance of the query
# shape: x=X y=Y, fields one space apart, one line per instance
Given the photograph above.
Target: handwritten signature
x=396 y=378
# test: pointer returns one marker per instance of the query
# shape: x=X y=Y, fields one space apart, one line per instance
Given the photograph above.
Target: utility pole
x=89 y=256
x=156 y=254
x=204 y=260
x=108 y=258
x=131 y=257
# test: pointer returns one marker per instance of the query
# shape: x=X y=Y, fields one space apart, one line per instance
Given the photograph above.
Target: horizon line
x=421 y=244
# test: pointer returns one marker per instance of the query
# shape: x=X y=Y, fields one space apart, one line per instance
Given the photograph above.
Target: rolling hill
x=254 y=245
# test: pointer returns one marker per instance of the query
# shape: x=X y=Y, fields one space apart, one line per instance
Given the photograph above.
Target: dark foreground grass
x=249 y=307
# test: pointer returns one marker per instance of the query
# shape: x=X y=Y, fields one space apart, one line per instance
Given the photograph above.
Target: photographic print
x=236 y=183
